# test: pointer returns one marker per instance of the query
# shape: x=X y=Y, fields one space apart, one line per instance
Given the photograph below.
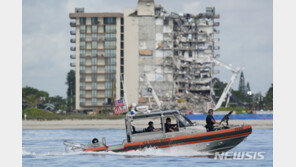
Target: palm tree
x=31 y=100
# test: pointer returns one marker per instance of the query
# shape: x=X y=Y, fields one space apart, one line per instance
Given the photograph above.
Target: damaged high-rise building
x=172 y=51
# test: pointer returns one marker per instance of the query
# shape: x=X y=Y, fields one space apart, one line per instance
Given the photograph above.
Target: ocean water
x=45 y=148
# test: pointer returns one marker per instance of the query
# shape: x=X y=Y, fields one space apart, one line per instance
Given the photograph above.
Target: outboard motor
x=95 y=141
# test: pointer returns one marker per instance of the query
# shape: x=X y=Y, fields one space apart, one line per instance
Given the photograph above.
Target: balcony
x=82 y=31
x=216 y=31
x=82 y=47
x=73 y=56
x=217 y=47
x=72 y=64
x=73 y=48
x=216 y=24
x=73 y=24
x=217 y=56
x=82 y=39
x=72 y=32
x=73 y=40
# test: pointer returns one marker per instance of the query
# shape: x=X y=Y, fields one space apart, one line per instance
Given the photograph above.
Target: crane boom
x=153 y=92
x=229 y=84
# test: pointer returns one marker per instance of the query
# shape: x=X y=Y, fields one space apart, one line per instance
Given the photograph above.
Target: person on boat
x=210 y=120
x=151 y=127
x=169 y=127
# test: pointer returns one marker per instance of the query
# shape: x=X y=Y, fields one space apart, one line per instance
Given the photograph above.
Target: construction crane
x=148 y=84
x=227 y=90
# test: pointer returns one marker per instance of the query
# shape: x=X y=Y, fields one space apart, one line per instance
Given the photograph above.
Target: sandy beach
x=119 y=124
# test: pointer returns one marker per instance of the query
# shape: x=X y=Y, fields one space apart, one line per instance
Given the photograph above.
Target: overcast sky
x=245 y=37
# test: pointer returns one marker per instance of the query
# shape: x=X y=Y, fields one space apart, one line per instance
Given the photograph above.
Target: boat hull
x=216 y=141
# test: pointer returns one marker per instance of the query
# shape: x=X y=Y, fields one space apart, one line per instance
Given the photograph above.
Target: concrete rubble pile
x=185 y=45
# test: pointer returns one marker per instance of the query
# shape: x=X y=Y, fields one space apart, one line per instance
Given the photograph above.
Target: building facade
x=173 y=51
x=98 y=51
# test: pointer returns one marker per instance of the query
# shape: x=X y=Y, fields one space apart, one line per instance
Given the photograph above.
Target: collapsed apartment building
x=174 y=53
x=153 y=52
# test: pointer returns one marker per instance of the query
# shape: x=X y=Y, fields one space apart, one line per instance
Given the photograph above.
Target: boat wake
x=147 y=152
x=153 y=152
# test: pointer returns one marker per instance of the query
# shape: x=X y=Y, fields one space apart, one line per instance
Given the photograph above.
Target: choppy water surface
x=45 y=148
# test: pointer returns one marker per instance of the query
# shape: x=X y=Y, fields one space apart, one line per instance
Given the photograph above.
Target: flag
x=119 y=107
x=119 y=103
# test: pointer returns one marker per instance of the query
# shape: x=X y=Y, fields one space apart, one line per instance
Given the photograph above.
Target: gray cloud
x=245 y=37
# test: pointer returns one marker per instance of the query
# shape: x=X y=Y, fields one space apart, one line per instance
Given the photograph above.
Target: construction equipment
x=227 y=90
x=148 y=84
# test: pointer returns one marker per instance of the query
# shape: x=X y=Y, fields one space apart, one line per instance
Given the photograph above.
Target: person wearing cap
x=210 y=120
x=169 y=127
x=151 y=127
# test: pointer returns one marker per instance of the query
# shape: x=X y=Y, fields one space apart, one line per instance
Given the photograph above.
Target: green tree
x=268 y=99
x=248 y=86
x=32 y=97
x=242 y=86
x=71 y=90
x=58 y=101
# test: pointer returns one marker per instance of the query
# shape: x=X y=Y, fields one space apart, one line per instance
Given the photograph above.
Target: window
x=82 y=61
x=82 y=43
x=121 y=45
x=94 y=20
x=94 y=101
x=94 y=28
x=94 y=44
x=110 y=53
x=110 y=44
x=110 y=20
x=94 y=61
x=121 y=21
x=94 y=52
x=121 y=61
x=82 y=37
x=121 y=37
x=94 y=77
x=94 y=85
x=94 y=93
x=121 y=93
x=110 y=36
x=108 y=93
x=82 y=68
x=82 y=93
x=82 y=28
x=82 y=20
x=121 y=53
x=108 y=85
x=82 y=53
x=82 y=101
x=94 y=37
x=110 y=28
x=94 y=68
x=121 y=29
x=82 y=85
x=110 y=61
x=110 y=69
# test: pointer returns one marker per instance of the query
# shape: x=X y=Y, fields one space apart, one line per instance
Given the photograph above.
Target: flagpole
x=124 y=91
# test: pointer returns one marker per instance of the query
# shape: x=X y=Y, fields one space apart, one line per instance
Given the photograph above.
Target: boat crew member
x=169 y=127
x=151 y=127
x=210 y=120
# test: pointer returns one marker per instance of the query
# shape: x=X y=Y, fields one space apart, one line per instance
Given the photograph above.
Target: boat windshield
x=184 y=121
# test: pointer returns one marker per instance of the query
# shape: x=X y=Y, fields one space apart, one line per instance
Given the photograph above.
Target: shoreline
x=120 y=124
